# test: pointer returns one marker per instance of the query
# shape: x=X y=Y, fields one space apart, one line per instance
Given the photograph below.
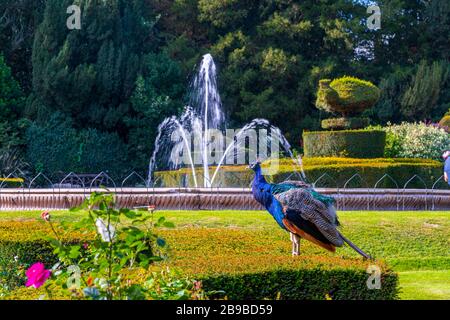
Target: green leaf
x=74 y=252
x=161 y=220
x=169 y=224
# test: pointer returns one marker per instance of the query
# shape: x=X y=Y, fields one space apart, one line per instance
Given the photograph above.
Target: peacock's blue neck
x=261 y=192
x=259 y=177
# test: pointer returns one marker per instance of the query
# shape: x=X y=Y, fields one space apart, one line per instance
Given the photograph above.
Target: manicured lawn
x=425 y=284
x=415 y=244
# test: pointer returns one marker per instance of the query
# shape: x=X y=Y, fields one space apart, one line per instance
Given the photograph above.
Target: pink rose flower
x=37 y=275
x=197 y=285
x=45 y=215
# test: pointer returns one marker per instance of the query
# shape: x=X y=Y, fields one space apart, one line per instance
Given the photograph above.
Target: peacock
x=302 y=211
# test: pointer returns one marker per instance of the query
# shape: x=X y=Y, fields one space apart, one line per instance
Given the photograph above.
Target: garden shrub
x=56 y=147
x=250 y=266
x=346 y=143
x=416 y=140
x=346 y=95
x=445 y=121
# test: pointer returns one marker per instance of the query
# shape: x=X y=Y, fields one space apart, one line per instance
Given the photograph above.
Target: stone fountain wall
x=221 y=199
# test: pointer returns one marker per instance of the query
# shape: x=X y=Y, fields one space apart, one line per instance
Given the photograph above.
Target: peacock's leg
x=295 y=244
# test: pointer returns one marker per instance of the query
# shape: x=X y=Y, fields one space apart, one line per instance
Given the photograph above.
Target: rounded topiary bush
x=346 y=95
x=346 y=143
x=345 y=123
x=445 y=121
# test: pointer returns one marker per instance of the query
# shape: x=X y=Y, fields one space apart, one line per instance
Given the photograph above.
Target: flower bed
x=245 y=264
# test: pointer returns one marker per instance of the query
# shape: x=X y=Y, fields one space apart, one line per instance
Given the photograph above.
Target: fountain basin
x=220 y=198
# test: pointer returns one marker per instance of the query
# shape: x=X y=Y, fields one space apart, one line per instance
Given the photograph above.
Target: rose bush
x=119 y=241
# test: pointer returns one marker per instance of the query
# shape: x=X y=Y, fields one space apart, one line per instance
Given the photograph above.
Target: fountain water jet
x=204 y=113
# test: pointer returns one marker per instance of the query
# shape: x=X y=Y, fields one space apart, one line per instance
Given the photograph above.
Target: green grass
x=425 y=285
x=415 y=244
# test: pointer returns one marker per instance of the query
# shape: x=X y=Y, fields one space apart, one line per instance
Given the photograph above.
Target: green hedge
x=314 y=284
x=345 y=123
x=340 y=169
x=11 y=182
x=347 y=143
x=400 y=173
x=301 y=284
x=23 y=243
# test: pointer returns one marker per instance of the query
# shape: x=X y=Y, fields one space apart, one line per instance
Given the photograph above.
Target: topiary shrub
x=345 y=123
x=347 y=143
x=346 y=95
x=445 y=121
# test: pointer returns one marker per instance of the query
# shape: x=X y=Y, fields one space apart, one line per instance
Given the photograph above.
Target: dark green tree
x=435 y=37
x=52 y=146
x=272 y=55
x=158 y=94
x=421 y=96
x=18 y=22
x=90 y=74
x=11 y=105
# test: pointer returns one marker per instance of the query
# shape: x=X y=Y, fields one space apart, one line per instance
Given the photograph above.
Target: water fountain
x=203 y=116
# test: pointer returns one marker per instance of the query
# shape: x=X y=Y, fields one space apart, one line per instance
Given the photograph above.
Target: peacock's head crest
x=255 y=166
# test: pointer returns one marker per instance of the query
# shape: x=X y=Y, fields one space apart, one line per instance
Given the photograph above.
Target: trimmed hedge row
x=339 y=169
x=346 y=143
x=11 y=182
x=315 y=284
x=242 y=263
x=371 y=172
